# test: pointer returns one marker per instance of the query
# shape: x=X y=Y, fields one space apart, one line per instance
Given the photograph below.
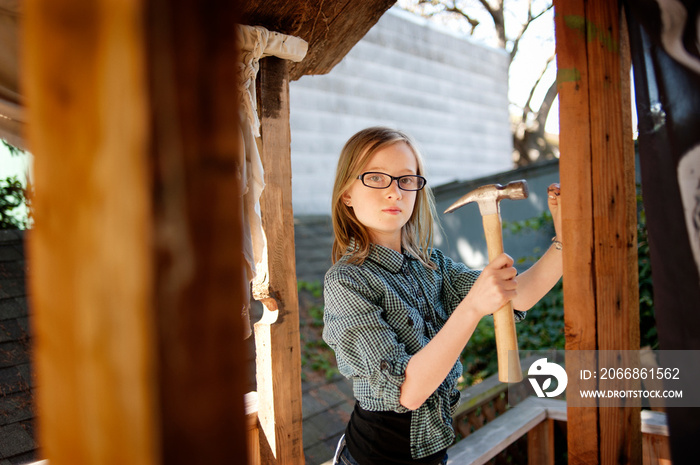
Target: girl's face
x=385 y=211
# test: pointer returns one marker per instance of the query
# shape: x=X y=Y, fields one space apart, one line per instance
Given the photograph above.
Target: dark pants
x=343 y=456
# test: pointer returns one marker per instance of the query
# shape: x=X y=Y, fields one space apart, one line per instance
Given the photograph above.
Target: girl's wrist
x=557 y=243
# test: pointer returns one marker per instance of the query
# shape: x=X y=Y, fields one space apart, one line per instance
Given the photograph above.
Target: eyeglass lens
x=383 y=180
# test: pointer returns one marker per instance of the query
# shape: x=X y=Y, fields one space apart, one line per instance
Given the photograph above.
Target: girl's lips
x=392 y=211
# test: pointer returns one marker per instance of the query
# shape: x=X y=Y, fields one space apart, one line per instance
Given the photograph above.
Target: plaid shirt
x=377 y=315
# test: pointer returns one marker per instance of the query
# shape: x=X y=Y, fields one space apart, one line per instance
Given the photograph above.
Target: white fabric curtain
x=256 y=42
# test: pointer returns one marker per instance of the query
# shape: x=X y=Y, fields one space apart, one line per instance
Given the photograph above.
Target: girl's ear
x=346 y=199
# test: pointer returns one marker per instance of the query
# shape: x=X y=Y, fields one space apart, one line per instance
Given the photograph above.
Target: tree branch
x=527 y=108
x=523 y=29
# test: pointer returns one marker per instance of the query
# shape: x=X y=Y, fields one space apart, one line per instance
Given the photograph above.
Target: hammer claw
x=488 y=197
x=459 y=203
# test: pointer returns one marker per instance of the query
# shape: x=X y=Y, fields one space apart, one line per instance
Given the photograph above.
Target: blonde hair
x=416 y=234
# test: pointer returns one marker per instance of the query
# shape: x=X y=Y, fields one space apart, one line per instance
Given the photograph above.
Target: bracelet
x=558 y=245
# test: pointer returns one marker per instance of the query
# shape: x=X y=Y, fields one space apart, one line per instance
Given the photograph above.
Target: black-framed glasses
x=377 y=180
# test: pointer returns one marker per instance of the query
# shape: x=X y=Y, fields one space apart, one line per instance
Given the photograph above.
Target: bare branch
x=530 y=19
x=527 y=108
x=543 y=112
x=473 y=22
x=499 y=22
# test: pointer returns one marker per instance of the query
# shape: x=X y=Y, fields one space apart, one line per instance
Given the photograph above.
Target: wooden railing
x=493 y=419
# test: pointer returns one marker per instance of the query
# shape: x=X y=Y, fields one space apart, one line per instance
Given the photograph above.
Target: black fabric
x=666 y=60
x=383 y=438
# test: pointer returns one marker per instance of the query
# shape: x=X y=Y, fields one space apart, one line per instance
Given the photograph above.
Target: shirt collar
x=387 y=258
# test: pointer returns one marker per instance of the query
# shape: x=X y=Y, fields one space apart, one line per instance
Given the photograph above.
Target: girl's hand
x=495 y=286
x=553 y=192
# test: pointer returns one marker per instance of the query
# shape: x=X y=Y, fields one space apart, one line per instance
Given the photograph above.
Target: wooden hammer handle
x=509 y=370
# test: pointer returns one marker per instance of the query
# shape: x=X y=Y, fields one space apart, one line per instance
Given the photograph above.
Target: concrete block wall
x=448 y=92
x=461 y=233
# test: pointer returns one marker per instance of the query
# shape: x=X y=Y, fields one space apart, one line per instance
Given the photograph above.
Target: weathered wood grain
x=331 y=28
x=200 y=289
x=277 y=341
x=91 y=280
x=136 y=281
x=598 y=197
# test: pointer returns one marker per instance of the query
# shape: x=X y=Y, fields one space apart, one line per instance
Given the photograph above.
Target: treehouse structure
x=137 y=274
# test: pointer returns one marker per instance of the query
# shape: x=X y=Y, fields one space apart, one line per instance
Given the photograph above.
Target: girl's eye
x=376 y=178
x=408 y=181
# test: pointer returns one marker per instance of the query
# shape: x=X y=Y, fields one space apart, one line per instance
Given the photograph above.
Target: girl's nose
x=393 y=190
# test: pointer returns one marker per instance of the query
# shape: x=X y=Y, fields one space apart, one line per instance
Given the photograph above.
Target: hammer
x=488 y=197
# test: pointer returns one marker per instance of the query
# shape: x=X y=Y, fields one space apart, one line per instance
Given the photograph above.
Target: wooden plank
x=530 y=416
x=652 y=422
x=577 y=214
x=540 y=444
x=136 y=288
x=484 y=444
x=556 y=409
x=599 y=212
x=330 y=28
x=253 y=433
x=656 y=450
x=200 y=285
x=476 y=395
x=90 y=279
x=614 y=217
x=278 y=357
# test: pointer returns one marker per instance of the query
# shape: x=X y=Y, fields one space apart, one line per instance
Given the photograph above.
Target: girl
x=398 y=313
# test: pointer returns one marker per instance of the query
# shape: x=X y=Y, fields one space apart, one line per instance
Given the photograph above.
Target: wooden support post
x=278 y=356
x=599 y=214
x=540 y=444
x=136 y=284
x=200 y=286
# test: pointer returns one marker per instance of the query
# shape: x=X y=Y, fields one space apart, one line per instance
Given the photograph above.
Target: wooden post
x=200 y=284
x=540 y=443
x=135 y=276
x=277 y=341
x=599 y=214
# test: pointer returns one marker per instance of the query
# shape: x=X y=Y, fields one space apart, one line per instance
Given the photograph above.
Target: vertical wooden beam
x=91 y=281
x=656 y=450
x=599 y=213
x=577 y=213
x=200 y=287
x=136 y=283
x=277 y=334
x=540 y=444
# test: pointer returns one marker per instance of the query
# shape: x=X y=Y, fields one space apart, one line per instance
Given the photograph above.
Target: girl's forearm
x=428 y=368
x=534 y=283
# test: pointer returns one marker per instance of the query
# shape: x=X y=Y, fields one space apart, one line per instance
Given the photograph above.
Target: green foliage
x=12 y=202
x=647 y=321
x=543 y=222
x=316 y=356
x=315 y=288
x=543 y=328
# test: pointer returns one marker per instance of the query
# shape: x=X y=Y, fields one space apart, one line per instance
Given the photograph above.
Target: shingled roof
x=17 y=443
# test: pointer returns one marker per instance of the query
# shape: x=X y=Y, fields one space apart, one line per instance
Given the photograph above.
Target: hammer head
x=490 y=195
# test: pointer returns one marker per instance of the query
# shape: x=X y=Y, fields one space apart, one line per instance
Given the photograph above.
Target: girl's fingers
x=553 y=192
x=502 y=261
